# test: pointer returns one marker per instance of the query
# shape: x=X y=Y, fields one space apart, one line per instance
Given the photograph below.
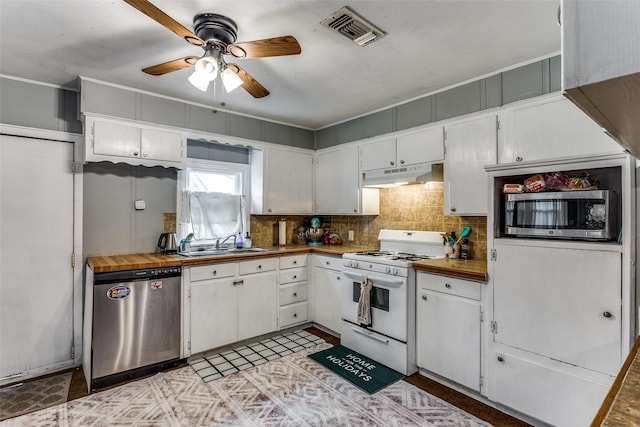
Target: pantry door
x=36 y=246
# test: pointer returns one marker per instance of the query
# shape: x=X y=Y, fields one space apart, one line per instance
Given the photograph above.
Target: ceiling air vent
x=354 y=27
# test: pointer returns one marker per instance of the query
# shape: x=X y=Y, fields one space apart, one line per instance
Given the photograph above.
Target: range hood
x=426 y=172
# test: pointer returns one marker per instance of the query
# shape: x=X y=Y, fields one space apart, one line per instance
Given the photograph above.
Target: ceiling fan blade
x=249 y=84
x=165 y=20
x=277 y=46
x=167 y=67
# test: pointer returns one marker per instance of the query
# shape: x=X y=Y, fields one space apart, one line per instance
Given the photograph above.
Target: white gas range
x=390 y=339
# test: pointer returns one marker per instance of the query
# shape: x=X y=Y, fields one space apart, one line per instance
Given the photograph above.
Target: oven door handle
x=370 y=335
x=375 y=279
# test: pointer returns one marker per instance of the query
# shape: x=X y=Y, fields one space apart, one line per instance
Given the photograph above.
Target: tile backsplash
x=410 y=207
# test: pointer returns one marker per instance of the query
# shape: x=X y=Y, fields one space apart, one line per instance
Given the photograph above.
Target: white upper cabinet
x=470 y=145
x=601 y=64
x=424 y=146
x=115 y=141
x=550 y=129
x=281 y=182
x=338 y=190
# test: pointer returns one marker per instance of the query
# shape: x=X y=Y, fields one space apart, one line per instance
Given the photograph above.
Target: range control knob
x=387 y=270
x=353 y=264
x=394 y=271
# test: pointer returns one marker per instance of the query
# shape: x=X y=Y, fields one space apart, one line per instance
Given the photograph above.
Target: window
x=212 y=201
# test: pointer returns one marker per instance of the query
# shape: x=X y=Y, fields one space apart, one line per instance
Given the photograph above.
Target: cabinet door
x=257 y=305
x=326 y=298
x=288 y=182
x=560 y=303
x=448 y=337
x=112 y=139
x=161 y=145
x=214 y=314
x=550 y=130
x=421 y=147
x=378 y=154
x=470 y=145
x=337 y=184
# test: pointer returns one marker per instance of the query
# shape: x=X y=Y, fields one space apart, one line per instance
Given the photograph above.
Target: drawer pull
x=327 y=262
x=500 y=359
x=259 y=267
x=215 y=272
x=424 y=297
x=295 y=314
x=295 y=294
x=238 y=282
x=295 y=262
x=606 y=314
x=447 y=285
x=295 y=277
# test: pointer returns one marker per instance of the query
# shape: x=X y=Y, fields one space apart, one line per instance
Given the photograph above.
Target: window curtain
x=214 y=215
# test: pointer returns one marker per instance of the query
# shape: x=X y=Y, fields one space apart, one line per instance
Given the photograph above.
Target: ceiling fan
x=216 y=34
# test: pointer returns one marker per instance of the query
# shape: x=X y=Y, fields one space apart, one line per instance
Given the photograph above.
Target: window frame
x=213 y=166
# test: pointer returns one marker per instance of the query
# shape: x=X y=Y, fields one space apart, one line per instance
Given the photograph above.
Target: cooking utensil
x=464 y=234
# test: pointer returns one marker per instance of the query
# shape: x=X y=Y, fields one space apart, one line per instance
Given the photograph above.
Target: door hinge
x=481 y=317
x=74 y=168
x=497 y=124
x=73 y=351
x=189 y=293
x=73 y=260
x=494 y=255
x=189 y=345
x=481 y=381
x=494 y=327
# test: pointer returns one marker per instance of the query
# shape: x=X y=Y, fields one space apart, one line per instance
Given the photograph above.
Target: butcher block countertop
x=469 y=269
x=621 y=406
x=103 y=264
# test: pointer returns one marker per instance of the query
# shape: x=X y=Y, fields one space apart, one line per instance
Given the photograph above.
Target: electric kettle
x=167 y=243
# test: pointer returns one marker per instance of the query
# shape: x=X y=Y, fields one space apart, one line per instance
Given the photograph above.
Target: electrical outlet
x=351 y=235
x=139 y=205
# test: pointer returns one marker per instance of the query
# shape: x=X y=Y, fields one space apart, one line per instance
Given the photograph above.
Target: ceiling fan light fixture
x=230 y=80
x=199 y=81
x=208 y=67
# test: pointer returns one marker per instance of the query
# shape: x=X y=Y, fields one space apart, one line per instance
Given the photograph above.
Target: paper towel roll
x=282 y=233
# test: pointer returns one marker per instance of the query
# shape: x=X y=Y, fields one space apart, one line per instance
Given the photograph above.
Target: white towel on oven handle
x=364 y=302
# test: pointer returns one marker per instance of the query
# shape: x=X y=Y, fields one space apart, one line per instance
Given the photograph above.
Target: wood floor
x=497 y=418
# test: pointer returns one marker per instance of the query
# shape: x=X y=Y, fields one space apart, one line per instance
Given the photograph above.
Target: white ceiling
x=429 y=45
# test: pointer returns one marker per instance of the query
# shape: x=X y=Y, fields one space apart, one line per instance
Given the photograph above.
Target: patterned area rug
x=290 y=391
x=34 y=395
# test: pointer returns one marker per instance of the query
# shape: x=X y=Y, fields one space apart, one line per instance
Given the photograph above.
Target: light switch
x=139 y=205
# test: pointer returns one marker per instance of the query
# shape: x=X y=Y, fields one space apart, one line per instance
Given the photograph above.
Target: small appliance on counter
x=167 y=243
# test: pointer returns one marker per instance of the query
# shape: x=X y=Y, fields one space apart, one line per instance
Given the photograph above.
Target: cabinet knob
x=327 y=262
x=135 y=153
x=355 y=210
x=295 y=277
x=518 y=159
x=295 y=294
x=424 y=297
x=215 y=272
x=259 y=267
x=295 y=314
x=447 y=285
x=453 y=209
x=500 y=359
x=402 y=162
x=607 y=314
x=268 y=210
x=338 y=278
x=392 y=163
x=295 y=262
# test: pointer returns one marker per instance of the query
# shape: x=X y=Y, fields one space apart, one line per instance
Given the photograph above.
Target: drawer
x=293 y=275
x=293 y=261
x=290 y=294
x=450 y=285
x=334 y=263
x=212 y=271
x=293 y=313
x=258 y=265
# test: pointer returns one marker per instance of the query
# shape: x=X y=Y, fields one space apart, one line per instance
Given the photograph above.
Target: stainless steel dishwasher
x=136 y=323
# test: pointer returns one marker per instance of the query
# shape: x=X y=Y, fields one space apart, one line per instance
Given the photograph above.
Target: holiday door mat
x=356 y=368
x=31 y=396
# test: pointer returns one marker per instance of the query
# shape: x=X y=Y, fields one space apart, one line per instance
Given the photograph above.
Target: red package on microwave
x=534 y=183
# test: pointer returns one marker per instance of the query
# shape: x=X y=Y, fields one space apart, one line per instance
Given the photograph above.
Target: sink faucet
x=218 y=242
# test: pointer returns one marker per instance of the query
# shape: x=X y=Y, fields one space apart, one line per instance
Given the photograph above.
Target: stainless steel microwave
x=585 y=215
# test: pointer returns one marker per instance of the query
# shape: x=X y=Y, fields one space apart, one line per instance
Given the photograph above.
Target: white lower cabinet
x=327 y=280
x=230 y=302
x=448 y=328
x=556 y=328
x=293 y=293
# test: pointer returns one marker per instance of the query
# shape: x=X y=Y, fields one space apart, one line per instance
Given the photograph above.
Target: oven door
x=388 y=302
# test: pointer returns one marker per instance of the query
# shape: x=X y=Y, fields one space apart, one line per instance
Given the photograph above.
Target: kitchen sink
x=220 y=251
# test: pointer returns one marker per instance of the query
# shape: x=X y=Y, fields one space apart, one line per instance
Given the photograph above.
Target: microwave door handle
x=375 y=279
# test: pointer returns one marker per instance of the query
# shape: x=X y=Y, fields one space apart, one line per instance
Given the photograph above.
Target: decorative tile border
x=218 y=365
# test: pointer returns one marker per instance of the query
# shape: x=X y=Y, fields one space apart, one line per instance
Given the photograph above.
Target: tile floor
x=218 y=365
